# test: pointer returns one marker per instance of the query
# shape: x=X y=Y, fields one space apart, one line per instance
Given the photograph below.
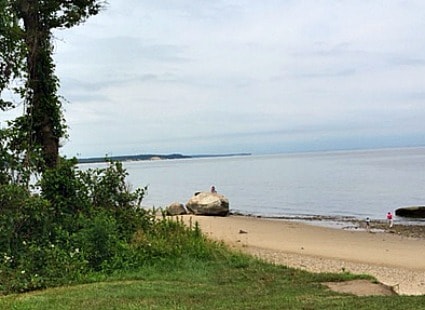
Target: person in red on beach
x=390 y=219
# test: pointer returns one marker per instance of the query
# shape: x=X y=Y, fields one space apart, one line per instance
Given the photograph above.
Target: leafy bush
x=107 y=188
x=84 y=222
x=64 y=190
x=23 y=217
x=98 y=240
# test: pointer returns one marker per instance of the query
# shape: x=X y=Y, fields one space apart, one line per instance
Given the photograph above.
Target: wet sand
x=394 y=257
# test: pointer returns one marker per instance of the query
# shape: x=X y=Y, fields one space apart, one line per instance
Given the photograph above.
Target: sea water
x=359 y=184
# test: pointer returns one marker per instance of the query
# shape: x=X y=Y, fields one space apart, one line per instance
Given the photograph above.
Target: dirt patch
x=360 y=288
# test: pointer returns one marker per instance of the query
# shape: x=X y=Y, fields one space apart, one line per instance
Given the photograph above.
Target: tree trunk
x=43 y=110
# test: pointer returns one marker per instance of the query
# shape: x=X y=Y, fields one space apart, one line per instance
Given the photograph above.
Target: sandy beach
x=394 y=259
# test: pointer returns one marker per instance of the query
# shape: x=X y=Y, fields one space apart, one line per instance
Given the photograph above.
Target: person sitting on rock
x=213 y=190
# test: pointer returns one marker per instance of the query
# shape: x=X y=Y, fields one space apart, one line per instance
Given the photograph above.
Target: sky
x=230 y=76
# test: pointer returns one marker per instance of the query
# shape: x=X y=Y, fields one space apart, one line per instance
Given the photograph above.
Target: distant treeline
x=152 y=157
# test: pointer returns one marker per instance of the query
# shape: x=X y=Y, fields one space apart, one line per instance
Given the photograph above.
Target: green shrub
x=23 y=218
x=106 y=188
x=64 y=190
x=85 y=222
x=98 y=240
x=30 y=256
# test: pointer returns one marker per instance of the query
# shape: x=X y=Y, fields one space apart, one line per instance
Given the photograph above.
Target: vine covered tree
x=26 y=49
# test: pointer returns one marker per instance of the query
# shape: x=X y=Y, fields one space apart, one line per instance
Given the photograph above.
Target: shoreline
x=391 y=256
x=405 y=227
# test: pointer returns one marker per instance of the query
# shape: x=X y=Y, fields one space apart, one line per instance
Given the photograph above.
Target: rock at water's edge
x=415 y=211
x=207 y=203
x=176 y=208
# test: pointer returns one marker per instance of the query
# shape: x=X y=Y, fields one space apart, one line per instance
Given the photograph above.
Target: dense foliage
x=83 y=221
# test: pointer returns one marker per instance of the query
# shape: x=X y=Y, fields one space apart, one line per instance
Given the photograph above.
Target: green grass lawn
x=231 y=282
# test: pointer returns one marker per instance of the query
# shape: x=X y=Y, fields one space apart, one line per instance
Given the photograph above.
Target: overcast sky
x=244 y=76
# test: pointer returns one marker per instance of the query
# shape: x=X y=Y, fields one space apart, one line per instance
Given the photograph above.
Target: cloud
x=243 y=76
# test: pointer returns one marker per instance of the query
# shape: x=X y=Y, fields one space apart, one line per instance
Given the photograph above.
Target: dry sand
x=395 y=260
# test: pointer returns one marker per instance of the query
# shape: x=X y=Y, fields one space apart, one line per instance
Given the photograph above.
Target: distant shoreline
x=143 y=157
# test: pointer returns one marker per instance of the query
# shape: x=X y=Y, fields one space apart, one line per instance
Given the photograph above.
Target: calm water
x=350 y=183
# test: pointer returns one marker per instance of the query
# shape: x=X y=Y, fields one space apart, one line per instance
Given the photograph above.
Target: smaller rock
x=176 y=208
x=414 y=212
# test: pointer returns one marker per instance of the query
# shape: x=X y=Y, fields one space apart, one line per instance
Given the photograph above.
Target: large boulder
x=416 y=212
x=176 y=208
x=207 y=203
